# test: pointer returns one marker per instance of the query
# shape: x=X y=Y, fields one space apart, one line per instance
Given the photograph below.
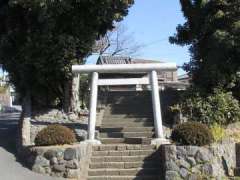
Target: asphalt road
x=10 y=168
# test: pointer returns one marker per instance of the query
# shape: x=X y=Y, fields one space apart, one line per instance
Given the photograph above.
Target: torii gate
x=151 y=69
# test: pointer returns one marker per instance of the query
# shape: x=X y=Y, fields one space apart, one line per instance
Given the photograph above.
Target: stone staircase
x=128 y=118
x=126 y=132
x=125 y=162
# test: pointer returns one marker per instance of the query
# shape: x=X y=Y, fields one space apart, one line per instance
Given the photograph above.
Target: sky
x=152 y=22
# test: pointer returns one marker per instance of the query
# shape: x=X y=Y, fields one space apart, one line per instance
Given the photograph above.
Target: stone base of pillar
x=160 y=141
x=92 y=142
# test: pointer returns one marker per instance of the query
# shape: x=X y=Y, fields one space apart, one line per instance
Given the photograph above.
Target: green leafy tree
x=41 y=39
x=212 y=31
x=218 y=108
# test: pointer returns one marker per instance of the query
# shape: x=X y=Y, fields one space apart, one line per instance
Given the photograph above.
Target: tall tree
x=212 y=29
x=41 y=39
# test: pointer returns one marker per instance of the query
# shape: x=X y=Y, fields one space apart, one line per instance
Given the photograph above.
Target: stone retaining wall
x=193 y=162
x=69 y=161
x=29 y=127
x=78 y=124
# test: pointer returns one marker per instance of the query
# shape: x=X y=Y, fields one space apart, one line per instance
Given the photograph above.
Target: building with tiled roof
x=163 y=77
x=123 y=60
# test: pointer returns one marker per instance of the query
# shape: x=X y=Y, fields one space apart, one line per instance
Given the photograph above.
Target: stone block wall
x=192 y=162
x=78 y=124
x=69 y=161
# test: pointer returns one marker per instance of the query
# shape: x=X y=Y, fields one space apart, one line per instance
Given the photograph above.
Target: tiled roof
x=143 y=61
x=123 y=60
x=113 y=60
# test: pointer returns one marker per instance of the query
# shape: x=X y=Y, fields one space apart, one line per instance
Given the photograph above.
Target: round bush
x=192 y=133
x=55 y=135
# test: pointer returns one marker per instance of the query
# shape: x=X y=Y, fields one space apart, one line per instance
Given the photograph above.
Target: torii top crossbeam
x=110 y=68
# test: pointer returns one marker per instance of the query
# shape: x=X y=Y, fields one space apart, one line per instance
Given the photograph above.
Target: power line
x=155 y=42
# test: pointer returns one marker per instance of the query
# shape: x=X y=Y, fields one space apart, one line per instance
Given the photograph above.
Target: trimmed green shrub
x=221 y=108
x=55 y=135
x=192 y=133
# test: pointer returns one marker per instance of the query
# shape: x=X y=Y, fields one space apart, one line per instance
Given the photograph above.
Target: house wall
x=167 y=76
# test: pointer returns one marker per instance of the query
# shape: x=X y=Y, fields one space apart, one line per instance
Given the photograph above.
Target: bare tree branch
x=119 y=41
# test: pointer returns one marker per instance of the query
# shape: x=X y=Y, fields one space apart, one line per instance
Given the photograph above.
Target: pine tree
x=212 y=31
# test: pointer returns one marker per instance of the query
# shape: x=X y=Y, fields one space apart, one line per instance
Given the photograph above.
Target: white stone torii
x=152 y=69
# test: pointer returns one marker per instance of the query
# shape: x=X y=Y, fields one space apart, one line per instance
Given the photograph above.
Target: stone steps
x=124 y=158
x=130 y=94
x=127 y=124
x=112 y=140
x=138 y=140
x=125 y=140
x=127 y=129
x=127 y=115
x=125 y=178
x=131 y=106
x=125 y=162
x=113 y=112
x=126 y=110
x=126 y=134
x=129 y=100
x=124 y=153
x=123 y=147
x=124 y=172
x=124 y=165
x=127 y=119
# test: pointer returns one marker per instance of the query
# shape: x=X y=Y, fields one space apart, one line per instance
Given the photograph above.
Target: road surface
x=10 y=168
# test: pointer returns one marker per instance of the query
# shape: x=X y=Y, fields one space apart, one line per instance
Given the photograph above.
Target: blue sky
x=152 y=22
